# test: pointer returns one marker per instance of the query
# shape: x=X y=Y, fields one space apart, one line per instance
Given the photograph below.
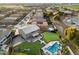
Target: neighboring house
x=72 y=21
x=78 y=14
x=16 y=15
x=22 y=12
x=42 y=23
x=13 y=18
x=5 y=36
x=9 y=21
x=19 y=16
x=67 y=12
x=2 y=15
x=39 y=20
x=5 y=13
x=30 y=33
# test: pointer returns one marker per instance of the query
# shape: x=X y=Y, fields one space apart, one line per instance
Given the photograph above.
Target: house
x=5 y=36
x=16 y=15
x=9 y=21
x=30 y=33
x=72 y=21
x=40 y=21
x=2 y=16
x=67 y=12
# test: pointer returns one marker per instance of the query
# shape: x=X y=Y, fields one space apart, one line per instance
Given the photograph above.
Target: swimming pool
x=54 y=48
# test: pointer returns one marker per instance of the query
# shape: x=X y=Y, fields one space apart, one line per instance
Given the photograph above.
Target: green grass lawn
x=34 y=48
x=72 y=7
x=48 y=36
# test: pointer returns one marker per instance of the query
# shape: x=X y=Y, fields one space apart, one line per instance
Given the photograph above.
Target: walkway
x=70 y=50
x=42 y=42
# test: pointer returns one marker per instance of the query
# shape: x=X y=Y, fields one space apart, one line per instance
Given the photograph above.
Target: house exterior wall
x=43 y=27
x=22 y=33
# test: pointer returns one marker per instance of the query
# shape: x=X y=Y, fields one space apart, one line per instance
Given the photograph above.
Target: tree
x=69 y=33
x=10 y=50
x=47 y=16
x=57 y=15
x=76 y=39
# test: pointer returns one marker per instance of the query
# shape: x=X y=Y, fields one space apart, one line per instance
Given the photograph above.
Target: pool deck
x=47 y=45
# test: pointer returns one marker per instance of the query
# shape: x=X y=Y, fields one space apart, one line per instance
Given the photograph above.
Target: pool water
x=54 y=48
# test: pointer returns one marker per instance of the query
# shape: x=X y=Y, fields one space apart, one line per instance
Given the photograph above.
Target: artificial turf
x=48 y=36
x=34 y=47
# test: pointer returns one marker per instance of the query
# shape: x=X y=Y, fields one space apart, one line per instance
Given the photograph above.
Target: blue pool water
x=54 y=48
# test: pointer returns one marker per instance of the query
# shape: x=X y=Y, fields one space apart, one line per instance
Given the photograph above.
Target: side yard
x=49 y=36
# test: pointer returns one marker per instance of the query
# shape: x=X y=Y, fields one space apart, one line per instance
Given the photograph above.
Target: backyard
x=49 y=36
x=34 y=48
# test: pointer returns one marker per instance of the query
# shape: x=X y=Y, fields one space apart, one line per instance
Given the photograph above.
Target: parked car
x=52 y=29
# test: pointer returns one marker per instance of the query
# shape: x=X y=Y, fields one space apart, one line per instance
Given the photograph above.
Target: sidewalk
x=70 y=50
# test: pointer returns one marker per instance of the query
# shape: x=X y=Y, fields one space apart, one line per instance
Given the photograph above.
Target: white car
x=51 y=28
